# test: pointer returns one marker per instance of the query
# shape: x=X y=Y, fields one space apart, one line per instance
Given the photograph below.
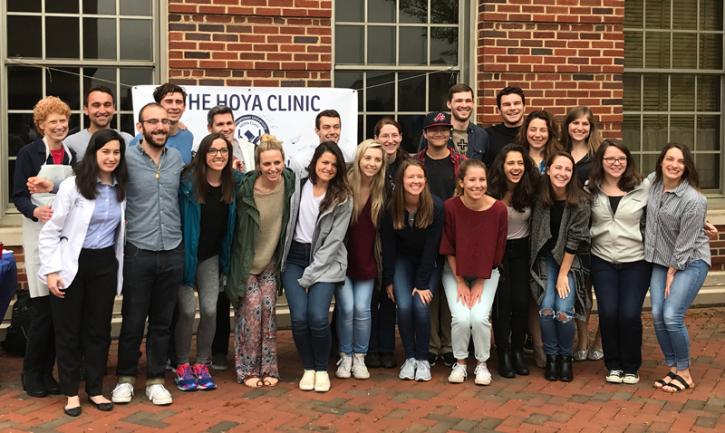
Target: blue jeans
x=620 y=289
x=556 y=314
x=309 y=310
x=668 y=314
x=352 y=306
x=413 y=314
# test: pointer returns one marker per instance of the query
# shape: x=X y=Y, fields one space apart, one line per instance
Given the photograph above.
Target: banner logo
x=251 y=127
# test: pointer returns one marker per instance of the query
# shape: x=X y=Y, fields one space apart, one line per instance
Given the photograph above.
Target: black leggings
x=511 y=305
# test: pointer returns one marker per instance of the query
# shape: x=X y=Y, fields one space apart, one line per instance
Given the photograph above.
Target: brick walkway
x=386 y=404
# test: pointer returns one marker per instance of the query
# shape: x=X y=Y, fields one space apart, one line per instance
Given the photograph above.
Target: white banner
x=286 y=112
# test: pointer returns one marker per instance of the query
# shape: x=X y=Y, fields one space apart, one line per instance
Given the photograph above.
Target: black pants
x=382 y=331
x=220 y=345
x=151 y=282
x=511 y=304
x=40 y=347
x=83 y=321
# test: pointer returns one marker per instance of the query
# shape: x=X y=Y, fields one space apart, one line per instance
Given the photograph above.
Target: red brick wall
x=250 y=42
x=563 y=53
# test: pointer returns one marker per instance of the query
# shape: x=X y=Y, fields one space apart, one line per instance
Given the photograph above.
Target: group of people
x=513 y=223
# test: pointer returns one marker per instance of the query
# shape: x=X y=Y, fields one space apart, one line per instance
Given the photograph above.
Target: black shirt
x=441 y=178
x=213 y=224
x=583 y=168
x=499 y=136
x=556 y=212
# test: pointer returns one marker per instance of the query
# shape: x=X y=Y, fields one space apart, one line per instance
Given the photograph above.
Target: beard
x=148 y=137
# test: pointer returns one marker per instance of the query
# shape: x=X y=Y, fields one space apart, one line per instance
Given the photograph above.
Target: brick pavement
x=386 y=404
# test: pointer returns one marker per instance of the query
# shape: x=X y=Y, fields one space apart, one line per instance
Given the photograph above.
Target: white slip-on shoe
x=158 y=395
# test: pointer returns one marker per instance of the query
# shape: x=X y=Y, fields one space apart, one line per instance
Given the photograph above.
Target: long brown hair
x=338 y=189
x=424 y=213
x=552 y=144
x=86 y=170
x=377 y=188
x=198 y=170
x=575 y=195
x=630 y=178
x=690 y=174
x=594 y=139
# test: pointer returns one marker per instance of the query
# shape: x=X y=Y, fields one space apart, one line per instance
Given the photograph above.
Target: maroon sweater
x=361 y=263
x=477 y=239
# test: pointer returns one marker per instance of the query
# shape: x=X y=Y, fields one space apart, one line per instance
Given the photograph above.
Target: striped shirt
x=675 y=236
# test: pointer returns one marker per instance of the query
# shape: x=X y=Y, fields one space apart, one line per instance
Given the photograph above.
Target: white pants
x=467 y=322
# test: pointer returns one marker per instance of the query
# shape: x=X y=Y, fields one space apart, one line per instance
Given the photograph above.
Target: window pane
x=21 y=130
x=655 y=132
x=655 y=92
x=360 y=128
x=633 y=16
x=381 y=11
x=411 y=91
x=99 y=77
x=710 y=51
x=136 y=7
x=371 y=120
x=11 y=174
x=630 y=132
x=132 y=77
x=444 y=46
x=65 y=84
x=412 y=126
x=135 y=39
x=62 y=38
x=631 y=99
x=99 y=6
x=684 y=51
x=24 y=5
x=349 y=44
x=413 y=45
x=649 y=162
x=682 y=130
x=657 y=53
x=414 y=11
x=22 y=43
x=708 y=169
x=633 y=42
x=128 y=124
x=708 y=133
x=381 y=45
x=351 y=80
x=349 y=10
x=380 y=91
x=710 y=14
x=25 y=87
x=438 y=85
x=444 y=11
x=99 y=38
x=62 y=6
x=682 y=92
x=685 y=16
x=708 y=93
x=657 y=15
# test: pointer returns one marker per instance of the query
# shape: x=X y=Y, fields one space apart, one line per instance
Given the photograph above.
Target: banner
x=285 y=112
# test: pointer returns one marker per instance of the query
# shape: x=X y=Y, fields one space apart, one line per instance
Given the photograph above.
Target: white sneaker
x=322 y=381
x=307 y=383
x=458 y=373
x=422 y=371
x=614 y=376
x=483 y=376
x=158 y=395
x=122 y=393
x=344 y=365
x=630 y=378
x=359 y=370
x=407 y=371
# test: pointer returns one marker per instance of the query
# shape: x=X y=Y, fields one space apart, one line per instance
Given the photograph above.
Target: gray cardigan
x=328 y=263
x=574 y=236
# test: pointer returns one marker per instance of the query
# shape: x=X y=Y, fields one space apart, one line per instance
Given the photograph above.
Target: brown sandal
x=270 y=381
x=253 y=382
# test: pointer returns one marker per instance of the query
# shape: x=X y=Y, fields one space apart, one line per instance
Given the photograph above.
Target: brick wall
x=250 y=43
x=563 y=53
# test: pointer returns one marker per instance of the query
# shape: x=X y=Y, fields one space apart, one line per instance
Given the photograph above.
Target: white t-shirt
x=309 y=211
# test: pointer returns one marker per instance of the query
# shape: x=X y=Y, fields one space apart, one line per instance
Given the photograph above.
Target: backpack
x=16 y=335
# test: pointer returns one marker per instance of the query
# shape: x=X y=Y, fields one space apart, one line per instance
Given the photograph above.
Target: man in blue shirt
x=173 y=98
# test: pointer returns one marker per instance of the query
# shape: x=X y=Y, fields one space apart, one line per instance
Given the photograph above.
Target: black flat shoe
x=519 y=362
x=387 y=360
x=72 y=411
x=33 y=388
x=550 y=370
x=372 y=360
x=51 y=385
x=105 y=406
x=505 y=369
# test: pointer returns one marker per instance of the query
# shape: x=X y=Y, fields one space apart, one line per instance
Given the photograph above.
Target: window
x=63 y=48
x=673 y=73
x=401 y=55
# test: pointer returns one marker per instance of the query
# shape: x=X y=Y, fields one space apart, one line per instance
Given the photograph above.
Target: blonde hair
x=377 y=189
x=45 y=107
x=267 y=142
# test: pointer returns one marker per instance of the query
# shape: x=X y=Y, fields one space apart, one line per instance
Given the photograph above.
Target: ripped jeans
x=556 y=315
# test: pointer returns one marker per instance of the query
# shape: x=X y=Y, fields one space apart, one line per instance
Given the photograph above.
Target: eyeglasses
x=165 y=122
x=611 y=160
x=223 y=151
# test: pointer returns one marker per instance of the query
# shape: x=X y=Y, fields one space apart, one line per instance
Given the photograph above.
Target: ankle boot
x=504 y=364
x=519 y=362
x=566 y=373
x=550 y=370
